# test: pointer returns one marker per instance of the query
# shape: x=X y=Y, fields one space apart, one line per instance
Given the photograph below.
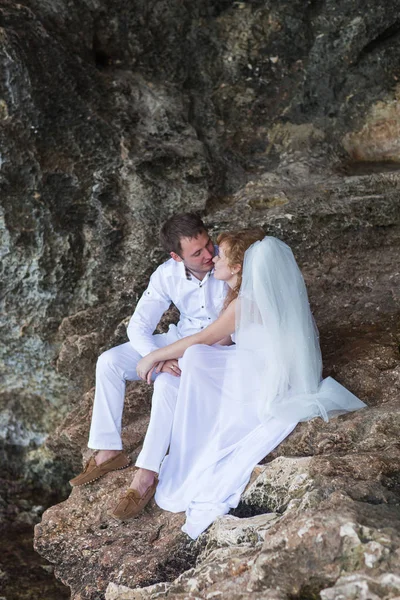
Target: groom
x=186 y=280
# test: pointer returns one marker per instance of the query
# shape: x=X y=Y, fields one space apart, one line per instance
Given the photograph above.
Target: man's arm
x=222 y=327
x=148 y=312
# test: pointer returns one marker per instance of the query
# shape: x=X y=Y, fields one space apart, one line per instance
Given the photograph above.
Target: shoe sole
x=100 y=476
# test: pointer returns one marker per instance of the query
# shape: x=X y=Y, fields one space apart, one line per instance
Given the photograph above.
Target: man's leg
x=155 y=446
x=114 y=368
x=158 y=433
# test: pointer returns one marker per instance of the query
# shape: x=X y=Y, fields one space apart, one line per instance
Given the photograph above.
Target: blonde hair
x=236 y=243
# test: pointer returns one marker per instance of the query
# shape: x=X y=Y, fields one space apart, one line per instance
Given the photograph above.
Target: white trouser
x=114 y=368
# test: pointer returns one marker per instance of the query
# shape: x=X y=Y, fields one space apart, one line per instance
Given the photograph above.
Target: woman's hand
x=145 y=367
x=168 y=366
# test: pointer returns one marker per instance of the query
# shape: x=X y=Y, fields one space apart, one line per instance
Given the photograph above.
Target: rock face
x=114 y=115
x=324 y=512
x=339 y=547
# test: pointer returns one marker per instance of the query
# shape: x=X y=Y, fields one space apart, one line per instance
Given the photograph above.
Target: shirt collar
x=190 y=277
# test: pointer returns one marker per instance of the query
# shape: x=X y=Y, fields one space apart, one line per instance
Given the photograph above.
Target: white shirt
x=199 y=304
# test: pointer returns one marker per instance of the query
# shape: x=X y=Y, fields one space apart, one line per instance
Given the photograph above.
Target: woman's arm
x=226 y=341
x=222 y=327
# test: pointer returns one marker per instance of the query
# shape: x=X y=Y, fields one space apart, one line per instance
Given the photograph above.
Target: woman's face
x=222 y=270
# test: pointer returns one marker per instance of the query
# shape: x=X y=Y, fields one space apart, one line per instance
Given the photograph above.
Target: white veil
x=279 y=363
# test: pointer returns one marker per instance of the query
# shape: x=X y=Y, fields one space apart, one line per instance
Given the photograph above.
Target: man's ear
x=175 y=256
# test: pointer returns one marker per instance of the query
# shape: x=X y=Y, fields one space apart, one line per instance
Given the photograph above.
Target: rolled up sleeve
x=149 y=310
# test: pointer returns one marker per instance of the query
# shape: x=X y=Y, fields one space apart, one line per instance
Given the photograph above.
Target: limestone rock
x=335 y=540
x=96 y=548
x=122 y=592
x=281 y=484
x=336 y=546
x=378 y=140
x=229 y=530
x=363 y=587
x=302 y=554
x=327 y=531
x=114 y=115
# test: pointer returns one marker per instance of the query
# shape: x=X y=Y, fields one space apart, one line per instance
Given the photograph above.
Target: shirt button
x=202 y=307
x=202 y=327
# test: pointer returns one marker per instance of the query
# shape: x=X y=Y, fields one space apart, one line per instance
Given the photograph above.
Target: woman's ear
x=236 y=269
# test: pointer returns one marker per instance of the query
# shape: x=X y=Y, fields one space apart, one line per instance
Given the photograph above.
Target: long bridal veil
x=278 y=357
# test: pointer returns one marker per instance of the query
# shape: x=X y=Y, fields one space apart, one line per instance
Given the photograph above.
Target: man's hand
x=145 y=367
x=168 y=366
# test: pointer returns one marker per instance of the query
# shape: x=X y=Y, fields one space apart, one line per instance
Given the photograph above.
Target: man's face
x=197 y=253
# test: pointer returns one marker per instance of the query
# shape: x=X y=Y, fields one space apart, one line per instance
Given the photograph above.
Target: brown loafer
x=92 y=471
x=132 y=503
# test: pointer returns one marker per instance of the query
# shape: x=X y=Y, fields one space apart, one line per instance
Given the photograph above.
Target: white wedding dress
x=237 y=403
x=215 y=445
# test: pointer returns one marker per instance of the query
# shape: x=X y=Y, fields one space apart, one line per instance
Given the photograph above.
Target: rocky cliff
x=113 y=115
x=323 y=515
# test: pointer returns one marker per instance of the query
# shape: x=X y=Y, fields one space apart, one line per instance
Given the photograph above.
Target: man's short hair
x=182 y=225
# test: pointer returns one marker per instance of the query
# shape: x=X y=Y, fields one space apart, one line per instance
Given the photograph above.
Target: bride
x=236 y=403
